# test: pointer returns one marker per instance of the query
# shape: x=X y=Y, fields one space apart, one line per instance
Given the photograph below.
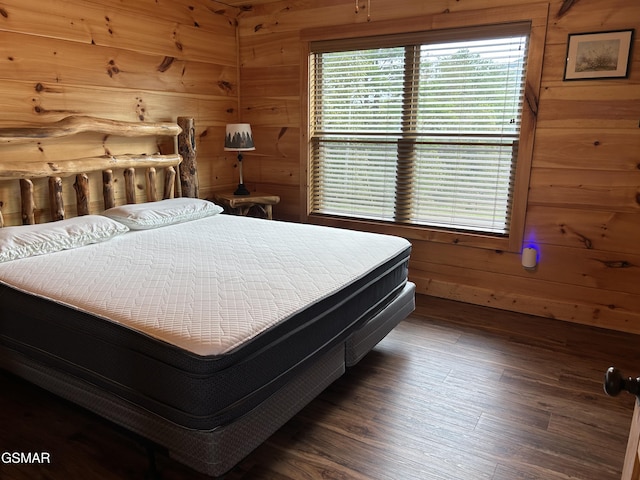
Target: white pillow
x=142 y=216
x=30 y=240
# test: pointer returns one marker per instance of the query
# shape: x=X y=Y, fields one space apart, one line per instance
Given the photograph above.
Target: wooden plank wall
x=155 y=60
x=146 y=60
x=584 y=200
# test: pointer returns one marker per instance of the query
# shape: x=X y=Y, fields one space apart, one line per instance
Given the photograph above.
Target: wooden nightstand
x=241 y=204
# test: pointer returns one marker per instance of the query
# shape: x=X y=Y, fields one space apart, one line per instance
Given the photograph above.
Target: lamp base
x=241 y=190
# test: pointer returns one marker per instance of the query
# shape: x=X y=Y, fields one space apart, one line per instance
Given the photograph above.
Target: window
x=419 y=129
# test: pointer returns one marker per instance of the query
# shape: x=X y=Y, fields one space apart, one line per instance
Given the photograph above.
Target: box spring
x=216 y=451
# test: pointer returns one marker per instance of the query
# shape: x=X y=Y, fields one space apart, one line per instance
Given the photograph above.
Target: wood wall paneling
x=156 y=60
x=597 y=307
x=52 y=101
x=206 y=14
x=97 y=24
x=149 y=60
x=592 y=149
x=592 y=189
x=56 y=61
x=584 y=229
x=585 y=182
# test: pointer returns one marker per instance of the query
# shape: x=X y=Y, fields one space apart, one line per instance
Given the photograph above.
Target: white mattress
x=204 y=286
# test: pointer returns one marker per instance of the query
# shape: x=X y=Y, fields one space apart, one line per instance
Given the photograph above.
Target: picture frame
x=598 y=55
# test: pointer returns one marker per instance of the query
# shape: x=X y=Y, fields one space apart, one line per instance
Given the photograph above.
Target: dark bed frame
x=213 y=452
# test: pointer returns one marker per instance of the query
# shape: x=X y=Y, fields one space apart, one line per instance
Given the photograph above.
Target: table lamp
x=239 y=139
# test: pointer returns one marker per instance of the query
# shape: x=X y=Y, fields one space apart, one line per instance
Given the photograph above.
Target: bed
x=200 y=331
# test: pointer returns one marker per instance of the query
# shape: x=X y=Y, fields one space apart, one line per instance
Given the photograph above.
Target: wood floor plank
x=455 y=392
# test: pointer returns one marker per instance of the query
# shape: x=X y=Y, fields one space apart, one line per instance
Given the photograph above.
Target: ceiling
x=239 y=3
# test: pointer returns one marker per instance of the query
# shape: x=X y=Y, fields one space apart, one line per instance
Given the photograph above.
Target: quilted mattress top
x=207 y=285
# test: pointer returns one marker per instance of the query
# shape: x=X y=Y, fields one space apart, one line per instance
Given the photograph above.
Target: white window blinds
x=420 y=129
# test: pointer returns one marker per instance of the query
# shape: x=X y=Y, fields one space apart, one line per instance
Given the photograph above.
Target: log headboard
x=27 y=171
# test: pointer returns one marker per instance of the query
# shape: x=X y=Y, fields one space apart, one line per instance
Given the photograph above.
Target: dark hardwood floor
x=454 y=392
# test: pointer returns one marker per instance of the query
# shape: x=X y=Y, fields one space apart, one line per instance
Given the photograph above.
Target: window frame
x=537 y=15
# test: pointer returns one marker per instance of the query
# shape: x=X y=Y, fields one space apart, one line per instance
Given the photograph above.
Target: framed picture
x=598 y=55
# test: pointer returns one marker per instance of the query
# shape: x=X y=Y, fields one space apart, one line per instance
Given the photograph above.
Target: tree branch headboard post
x=187 y=150
x=25 y=171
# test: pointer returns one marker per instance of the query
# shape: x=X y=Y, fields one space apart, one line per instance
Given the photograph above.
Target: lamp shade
x=238 y=138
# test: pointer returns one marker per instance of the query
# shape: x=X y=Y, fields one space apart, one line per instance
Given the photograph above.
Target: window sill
x=415 y=232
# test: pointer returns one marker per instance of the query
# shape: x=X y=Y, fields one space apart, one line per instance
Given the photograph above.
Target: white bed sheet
x=208 y=285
